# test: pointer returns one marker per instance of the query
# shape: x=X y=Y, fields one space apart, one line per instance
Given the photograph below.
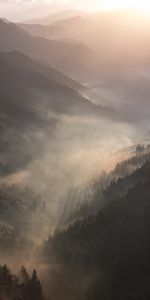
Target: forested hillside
x=112 y=247
x=19 y=287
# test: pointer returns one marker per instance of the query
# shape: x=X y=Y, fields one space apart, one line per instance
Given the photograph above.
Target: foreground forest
x=19 y=287
x=104 y=254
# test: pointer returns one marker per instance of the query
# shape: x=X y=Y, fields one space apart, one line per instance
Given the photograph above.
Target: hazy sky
x=26 y=9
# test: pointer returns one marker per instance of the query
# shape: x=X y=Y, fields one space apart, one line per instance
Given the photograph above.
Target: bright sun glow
x=141 y=5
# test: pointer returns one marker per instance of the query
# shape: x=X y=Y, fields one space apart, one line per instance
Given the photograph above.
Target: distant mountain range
x=34 y=97
x=52 y=31
x=67 y=57
x=53 y=17
x=116 y=40
x=67 y=29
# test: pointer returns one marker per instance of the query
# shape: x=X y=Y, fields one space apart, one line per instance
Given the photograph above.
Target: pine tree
x=24 y=277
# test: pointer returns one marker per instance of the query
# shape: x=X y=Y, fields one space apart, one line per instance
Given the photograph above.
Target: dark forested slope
x=114 y=244
x=22 y=287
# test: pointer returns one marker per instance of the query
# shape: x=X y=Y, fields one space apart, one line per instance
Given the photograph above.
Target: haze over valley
x=74 y=150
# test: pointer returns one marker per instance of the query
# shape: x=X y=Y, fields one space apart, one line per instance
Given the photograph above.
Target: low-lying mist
x=54 y=143
x=78 y=148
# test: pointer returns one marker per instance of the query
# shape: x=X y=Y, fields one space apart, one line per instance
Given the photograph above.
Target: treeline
x=22 y=287
x=111 y=249
x=20 y=211
x=82 y=202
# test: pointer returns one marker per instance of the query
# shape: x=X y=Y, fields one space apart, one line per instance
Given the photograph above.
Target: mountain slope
x=64 y=56
x=71 y=29
x=56 y=17
x=74 y=24
x=105 y=187
x=112 y=247
x=20 y=60
x=32 y=106
x=26 y=83
x=47 y=31
x=119 y=41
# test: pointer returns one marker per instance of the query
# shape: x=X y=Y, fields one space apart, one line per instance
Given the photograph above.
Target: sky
x=28 y=9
